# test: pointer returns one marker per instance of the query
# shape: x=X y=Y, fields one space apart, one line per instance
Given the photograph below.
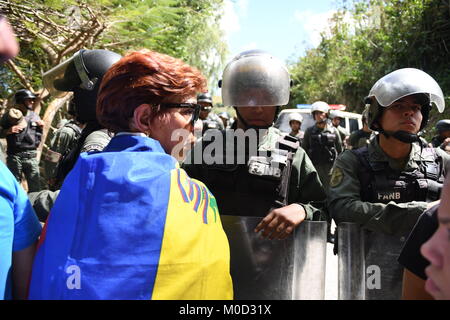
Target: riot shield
x=367 y=263
x=289 y=269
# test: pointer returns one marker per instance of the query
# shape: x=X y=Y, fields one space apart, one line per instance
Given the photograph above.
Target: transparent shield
x=291 y=269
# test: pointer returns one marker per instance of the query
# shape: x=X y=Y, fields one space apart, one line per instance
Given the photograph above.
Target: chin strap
x=402 y=136
x=247 y=126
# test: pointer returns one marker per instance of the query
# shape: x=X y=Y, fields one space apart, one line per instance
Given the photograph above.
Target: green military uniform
x=65 y=139
x=385 y=197
x=22 y=149
x=322 y=146
x=359 y=139
x=342 y=132
x=243 y=194
x=438 y=142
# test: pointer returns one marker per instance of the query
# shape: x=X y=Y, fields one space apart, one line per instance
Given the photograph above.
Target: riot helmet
x=82 y=75
x=205 y=98
x=336 y=114
x=443 y=125
x=320 y=106
x=22 y=94
x=295 y=117
x=255 y=78
x=399 y=84
x=224 y=115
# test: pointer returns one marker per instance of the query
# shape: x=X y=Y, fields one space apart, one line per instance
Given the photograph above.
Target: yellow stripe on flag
x=195 y=256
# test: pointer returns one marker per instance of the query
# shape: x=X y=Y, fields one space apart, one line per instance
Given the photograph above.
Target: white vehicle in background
x=352 y=121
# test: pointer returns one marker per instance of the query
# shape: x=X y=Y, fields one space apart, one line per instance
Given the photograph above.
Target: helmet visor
x=405 y=82
x=255 y=80
x=52 y=79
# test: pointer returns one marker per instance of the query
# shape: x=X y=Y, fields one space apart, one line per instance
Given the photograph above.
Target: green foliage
x=369 y=39
x=186 y=29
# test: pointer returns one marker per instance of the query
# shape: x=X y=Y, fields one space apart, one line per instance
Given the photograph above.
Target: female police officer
x=385 y=186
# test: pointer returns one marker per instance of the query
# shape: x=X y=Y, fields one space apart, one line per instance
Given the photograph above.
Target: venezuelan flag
x=130 y=224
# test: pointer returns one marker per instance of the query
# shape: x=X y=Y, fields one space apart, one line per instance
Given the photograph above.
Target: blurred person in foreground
x=128 y=222
x=426 y=254
x=19 y=226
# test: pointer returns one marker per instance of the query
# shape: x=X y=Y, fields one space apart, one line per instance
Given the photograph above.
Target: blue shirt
x=19 y=226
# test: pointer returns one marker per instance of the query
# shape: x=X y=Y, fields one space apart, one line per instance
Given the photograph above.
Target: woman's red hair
x=144 y=77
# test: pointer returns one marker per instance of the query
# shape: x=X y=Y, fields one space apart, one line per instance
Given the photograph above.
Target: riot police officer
x=23 y=139
x=65 y=138
x=209 y=119
x=322 y=142
x=442 y=139
x=82 y=75
x=256 y=84
x=225 y=117
x=385 y=186
x=336 y=119
x=295 y=122
x=360 y=138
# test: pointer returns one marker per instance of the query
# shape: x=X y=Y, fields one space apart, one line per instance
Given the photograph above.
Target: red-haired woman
x=128 y=223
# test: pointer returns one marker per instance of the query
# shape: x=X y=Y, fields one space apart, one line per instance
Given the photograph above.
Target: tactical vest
x=250 y=189
x=380 y=183
x=322 y=149
x=26 y=140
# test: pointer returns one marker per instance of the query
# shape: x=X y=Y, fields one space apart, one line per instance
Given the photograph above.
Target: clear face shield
x=405 y=82
x=67 y=75
x=255 y=79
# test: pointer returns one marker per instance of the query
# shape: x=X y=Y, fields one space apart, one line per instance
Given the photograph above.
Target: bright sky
x=285 y=28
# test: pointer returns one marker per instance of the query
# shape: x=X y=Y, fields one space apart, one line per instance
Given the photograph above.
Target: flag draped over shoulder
x=130 y=224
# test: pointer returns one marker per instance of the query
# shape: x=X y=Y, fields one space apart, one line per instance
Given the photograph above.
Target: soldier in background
x=82 y=75
x=361 y=138
x=65 y=138
x=23 y=136
x=442 y=139
x=225 y=117
x=322 y=142
x=210 y=119
x=386 y=186
x=295 y=122
x=336 y=119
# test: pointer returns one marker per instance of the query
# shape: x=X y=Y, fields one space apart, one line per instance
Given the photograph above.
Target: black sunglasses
x=194 y=106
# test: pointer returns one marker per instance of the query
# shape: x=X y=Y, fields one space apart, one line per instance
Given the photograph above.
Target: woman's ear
x=142 y=119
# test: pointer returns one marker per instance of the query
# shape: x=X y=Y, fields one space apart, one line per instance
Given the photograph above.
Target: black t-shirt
x=410 y=257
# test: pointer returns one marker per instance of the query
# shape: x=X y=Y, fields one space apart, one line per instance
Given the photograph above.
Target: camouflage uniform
x=64 y=139
x=385 y=197
x=240 y=193
x=322 y=147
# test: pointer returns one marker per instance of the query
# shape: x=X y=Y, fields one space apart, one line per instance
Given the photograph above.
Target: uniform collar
x=376 y=154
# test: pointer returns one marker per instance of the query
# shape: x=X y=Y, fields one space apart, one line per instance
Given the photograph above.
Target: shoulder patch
x=336 y=177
